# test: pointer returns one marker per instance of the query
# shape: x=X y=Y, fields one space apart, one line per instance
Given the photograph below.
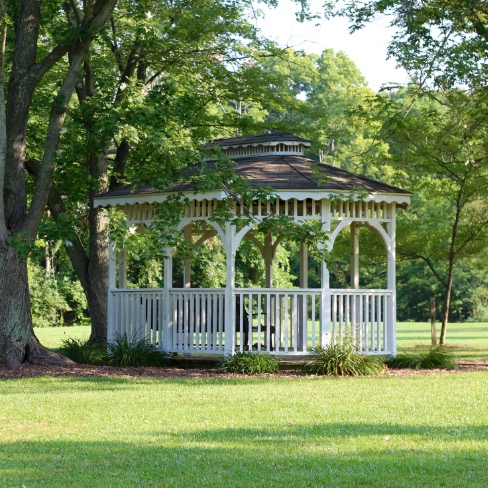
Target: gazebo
x=280 y=321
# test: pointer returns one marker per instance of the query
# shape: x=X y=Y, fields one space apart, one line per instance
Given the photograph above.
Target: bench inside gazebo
x=280 y=321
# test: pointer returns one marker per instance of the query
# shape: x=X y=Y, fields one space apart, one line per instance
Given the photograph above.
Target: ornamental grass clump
x=131 y=351
x=341 y=359
x=249 y=363
x=80 y=352
x=436 y=358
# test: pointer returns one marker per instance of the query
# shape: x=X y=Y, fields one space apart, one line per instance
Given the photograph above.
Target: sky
x=367 y=47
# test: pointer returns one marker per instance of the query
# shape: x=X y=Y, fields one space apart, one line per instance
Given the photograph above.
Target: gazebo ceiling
x=277 y=162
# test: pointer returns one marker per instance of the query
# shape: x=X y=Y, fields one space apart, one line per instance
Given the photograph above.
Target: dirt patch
x=88 y=371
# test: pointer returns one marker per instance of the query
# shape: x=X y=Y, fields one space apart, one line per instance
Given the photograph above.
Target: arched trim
x=216 y=226
x=372 y=226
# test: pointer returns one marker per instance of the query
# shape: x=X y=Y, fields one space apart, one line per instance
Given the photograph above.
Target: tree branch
x=89 y=27
x=57 y=116
x=76 y=252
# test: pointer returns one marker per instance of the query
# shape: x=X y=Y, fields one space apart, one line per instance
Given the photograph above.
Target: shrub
x=131 y=351
x=249 y=363
x=341 y=359
x=80 y=352
x=436 y=358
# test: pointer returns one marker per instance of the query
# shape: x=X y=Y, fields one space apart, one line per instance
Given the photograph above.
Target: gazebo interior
x=290 y=319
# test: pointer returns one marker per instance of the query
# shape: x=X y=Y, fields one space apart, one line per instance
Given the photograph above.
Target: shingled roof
x=280 y=172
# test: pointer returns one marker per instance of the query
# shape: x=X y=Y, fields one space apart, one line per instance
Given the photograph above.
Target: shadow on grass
x=342 y=455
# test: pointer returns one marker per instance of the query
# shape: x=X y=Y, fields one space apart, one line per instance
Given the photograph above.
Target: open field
x=415 y=431
x=469 y=340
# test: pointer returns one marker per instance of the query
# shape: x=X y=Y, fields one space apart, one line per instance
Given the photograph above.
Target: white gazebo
x=290 y=321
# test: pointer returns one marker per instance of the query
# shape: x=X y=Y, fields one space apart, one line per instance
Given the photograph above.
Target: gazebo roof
x=277 y=166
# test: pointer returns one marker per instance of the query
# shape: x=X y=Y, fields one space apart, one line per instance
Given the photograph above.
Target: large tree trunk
x=15 y=317
x=18 y=342
x=97 y=283
x=20 y=222
x=91 y=267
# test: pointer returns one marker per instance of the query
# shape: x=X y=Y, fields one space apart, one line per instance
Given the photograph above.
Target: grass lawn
x=415 y=431
x=468 y=340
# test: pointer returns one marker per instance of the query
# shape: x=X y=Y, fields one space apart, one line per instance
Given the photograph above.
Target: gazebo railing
x=275 y=321
x=197 y=320
x=361 y=316
x=136 y=312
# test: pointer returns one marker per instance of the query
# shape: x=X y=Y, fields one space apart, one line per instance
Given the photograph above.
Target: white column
x=166 y=321
x=354 y=271
x=325 y=297
x=354 y=255
x=229 y=318
x=187 y=262
x=112 y=265
x=391 y=284
x=303 y=265
x=302 y=309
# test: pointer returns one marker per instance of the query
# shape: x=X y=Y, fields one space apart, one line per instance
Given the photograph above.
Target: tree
x=440 y=41
x=33 y=55
x=442 y=142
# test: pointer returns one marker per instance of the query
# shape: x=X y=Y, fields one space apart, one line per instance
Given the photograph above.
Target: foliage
x=445 y=42
x=81 y=352
x=441 y=140
x=318 y=96
x=250 y=363
x=47 y=303
x=132 y=351
x=436 y=358
x=341 y=359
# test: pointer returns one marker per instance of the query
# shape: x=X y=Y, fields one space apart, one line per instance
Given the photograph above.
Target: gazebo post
x=112 y=272
x=354 y=255
x=303 y=283
x=187 y=232
x=391 y=283
x=325 y=295
x=229 y=246
x=166 y=341
x=354 y=271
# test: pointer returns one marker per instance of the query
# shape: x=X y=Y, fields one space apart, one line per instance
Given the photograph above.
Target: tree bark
x=17 y=340
x=450 y=269
x=97 y=288
x=91 y=270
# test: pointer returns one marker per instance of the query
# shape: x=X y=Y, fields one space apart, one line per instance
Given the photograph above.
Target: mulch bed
x=88 y=371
